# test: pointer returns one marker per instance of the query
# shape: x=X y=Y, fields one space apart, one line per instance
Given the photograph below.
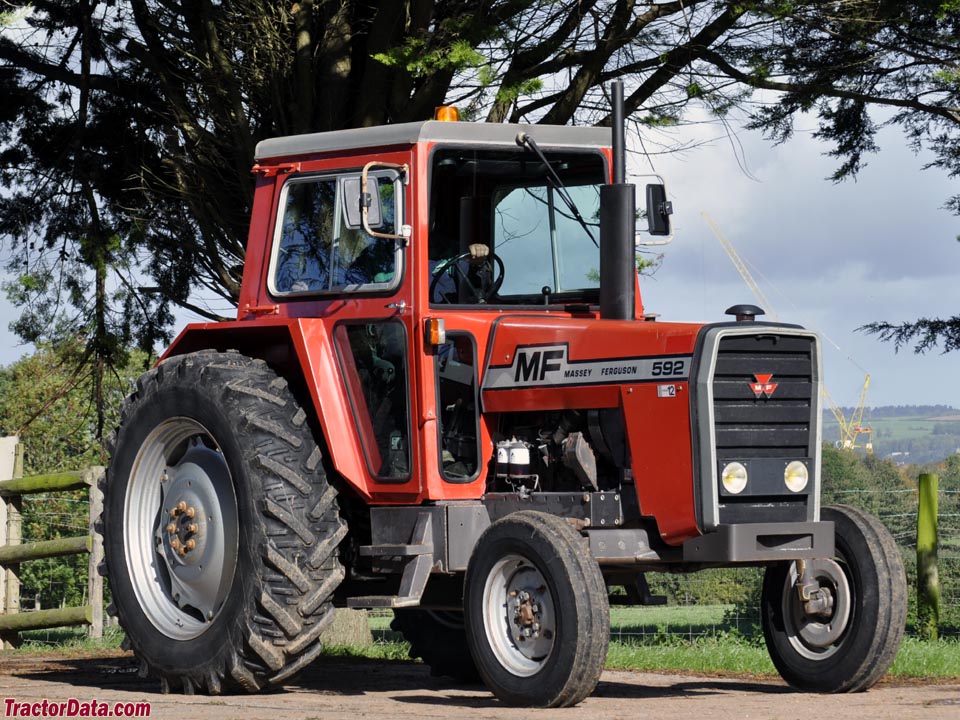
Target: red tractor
x=442 y=395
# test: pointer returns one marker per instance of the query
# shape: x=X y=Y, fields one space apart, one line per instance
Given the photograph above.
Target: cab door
x=351 y=285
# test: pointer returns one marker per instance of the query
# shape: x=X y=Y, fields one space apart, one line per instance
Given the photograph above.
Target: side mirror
x=354 y=200
x=659 y=210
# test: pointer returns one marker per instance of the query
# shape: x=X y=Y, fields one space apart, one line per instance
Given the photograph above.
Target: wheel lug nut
x=190 y=544
x=182 y=506
x=175 y=544
x=174 y=512
x=172 y=528
x=190 y=512
x=193 y=528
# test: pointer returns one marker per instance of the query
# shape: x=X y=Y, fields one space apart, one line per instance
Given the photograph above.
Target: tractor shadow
x=611 y=690
x=332 y=676
x=102 y=673
x=328 y=675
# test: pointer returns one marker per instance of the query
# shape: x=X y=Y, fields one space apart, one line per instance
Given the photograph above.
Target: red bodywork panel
x=299 y=335
x=609 y=364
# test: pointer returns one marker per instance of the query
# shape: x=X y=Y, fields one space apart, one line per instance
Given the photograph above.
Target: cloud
x=830 y=256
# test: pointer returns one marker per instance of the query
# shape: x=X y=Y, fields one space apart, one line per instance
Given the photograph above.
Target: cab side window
x=316 y=253
x=306 y=237
x=373 y=359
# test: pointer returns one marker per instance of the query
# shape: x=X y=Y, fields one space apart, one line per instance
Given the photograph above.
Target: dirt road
x=334 y=689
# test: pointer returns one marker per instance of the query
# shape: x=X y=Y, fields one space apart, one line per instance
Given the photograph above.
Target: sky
x=831 y=257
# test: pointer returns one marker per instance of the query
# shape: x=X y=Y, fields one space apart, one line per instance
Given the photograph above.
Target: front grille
x=781 y=425
x=766 y=430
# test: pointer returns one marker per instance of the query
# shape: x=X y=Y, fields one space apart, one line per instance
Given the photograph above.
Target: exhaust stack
x=618 y=270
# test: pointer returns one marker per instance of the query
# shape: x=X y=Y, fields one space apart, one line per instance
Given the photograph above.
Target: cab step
x=416 y=572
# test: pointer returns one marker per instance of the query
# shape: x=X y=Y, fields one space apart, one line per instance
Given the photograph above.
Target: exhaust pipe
x=618 y=270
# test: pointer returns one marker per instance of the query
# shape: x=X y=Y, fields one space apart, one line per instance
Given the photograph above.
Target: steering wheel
x=489 y=287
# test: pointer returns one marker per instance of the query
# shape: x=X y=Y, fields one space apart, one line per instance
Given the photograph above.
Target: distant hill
x=906 y=433
x=893 y=411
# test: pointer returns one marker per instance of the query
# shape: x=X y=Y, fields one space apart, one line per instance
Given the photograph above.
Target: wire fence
x=56 y=582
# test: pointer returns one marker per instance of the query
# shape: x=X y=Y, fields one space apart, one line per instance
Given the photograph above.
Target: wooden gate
x=13 y=551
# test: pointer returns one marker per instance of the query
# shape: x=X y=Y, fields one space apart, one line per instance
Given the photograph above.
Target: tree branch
x=714 y=58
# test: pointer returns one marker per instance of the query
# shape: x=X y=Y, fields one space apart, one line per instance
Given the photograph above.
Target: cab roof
x=468 y=133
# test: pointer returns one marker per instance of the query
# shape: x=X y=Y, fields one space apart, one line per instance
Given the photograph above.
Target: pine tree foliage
x=128 y=127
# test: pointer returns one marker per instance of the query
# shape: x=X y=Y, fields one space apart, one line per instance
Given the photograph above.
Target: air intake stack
x=618 y=269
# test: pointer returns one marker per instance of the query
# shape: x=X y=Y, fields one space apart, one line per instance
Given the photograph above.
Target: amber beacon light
x=446 y=113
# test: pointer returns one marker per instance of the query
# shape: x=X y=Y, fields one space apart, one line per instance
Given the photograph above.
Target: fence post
x=11 y=466
x=928 y=582
x=94 y=580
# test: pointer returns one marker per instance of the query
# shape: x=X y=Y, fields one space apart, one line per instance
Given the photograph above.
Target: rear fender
x=302 y=352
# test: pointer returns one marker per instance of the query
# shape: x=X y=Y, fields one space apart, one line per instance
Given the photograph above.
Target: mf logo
x=535 y=364
x=763 y=386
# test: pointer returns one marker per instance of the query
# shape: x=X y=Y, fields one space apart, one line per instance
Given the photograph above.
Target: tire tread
x=288 y=610
x=857 y=669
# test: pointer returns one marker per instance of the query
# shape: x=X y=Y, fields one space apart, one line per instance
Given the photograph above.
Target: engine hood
x=536 y=353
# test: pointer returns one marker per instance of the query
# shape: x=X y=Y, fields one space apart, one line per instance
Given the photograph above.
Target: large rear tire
x=221 y=531
x=851 y=647
x=537 y=618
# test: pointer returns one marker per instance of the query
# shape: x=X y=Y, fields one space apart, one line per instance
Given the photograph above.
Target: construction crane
x=850 y=428
x=741 y=268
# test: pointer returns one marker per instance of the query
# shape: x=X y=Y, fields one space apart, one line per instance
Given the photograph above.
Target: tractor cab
x=408 y=243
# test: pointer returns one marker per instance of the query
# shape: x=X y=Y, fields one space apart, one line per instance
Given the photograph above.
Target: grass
x=705 y=655
x=43 y=642
x=675 y=617
x=921 y=659
x=694 y=639
x=917 y=659
x=719 y=655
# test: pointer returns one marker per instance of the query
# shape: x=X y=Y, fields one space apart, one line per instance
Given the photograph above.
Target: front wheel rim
x=519 y=615
x=180 y=528
x=816 y=637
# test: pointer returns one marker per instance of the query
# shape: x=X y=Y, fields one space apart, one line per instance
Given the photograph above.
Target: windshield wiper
x=524 y=140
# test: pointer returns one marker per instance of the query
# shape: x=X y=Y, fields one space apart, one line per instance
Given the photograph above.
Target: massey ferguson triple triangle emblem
x=763 y=386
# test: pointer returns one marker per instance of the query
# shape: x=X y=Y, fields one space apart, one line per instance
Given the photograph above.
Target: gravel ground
x=335 y=689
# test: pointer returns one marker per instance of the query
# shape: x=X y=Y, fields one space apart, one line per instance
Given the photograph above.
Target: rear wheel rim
x=519 y=615
x=180 y=524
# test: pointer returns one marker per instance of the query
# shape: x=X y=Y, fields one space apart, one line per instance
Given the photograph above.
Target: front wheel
x=847 y=638
x=536 y=611
x=221 y=531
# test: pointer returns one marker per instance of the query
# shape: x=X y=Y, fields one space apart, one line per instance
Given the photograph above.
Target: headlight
x=734 y=477
x=796 y=476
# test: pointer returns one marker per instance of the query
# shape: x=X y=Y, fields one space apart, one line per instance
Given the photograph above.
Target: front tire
x=537 y=618
x=853 y=646
x=221 y=531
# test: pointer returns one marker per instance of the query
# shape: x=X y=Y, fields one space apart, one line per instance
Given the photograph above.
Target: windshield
x=508 y=201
